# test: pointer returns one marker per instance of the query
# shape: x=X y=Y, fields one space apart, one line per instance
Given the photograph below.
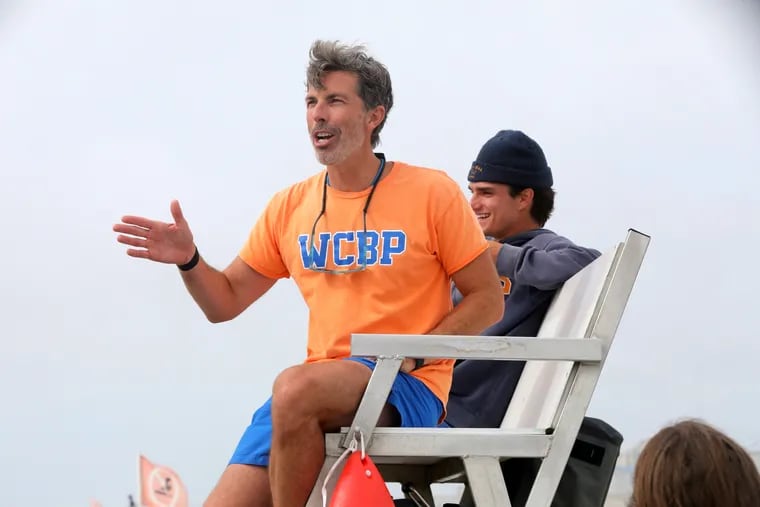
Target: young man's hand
x=408 y=365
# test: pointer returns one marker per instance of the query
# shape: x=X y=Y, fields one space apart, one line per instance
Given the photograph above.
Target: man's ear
x=526 y=198
x=376 y=116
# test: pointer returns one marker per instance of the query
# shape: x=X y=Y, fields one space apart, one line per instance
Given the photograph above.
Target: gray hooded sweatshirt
x=533 y=265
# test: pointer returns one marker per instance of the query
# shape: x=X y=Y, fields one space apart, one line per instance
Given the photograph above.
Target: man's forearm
x=212 y=291
x=477 y=311
x=541 y=268
x=471 y=316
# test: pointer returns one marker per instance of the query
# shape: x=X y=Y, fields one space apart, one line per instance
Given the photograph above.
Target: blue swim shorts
x=416 y=404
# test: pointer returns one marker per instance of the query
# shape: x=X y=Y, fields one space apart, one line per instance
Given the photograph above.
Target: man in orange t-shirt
x=373 y=245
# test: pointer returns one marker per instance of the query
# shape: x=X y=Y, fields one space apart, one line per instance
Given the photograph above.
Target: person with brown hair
x=692 y=464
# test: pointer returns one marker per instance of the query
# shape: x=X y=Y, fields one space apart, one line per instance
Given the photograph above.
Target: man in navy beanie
x=512 y=196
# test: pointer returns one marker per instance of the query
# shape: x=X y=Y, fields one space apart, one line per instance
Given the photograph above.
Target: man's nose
x=318 y=112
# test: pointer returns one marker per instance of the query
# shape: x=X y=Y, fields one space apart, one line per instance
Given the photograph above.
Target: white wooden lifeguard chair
x=563 y=364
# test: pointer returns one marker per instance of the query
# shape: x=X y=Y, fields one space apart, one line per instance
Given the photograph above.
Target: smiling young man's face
x=499 y=214
x=338 y=121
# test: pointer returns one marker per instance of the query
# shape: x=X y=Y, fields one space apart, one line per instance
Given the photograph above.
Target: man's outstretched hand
x=157 y=241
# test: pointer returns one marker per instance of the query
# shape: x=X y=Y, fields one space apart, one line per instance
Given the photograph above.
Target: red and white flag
x=160 y=486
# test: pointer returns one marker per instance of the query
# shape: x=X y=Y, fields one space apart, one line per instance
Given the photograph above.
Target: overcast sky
x=648 y=111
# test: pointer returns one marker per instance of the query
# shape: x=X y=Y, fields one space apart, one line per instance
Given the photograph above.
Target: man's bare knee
x=241 y=486
x=328 y=393
x=292 y=391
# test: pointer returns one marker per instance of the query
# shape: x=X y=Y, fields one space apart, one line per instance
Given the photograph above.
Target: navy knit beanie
x=512 y=158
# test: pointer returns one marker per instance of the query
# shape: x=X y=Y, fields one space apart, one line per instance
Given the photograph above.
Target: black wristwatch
x=419 y=363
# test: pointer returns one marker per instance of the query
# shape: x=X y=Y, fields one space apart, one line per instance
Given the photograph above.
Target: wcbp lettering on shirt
x=346 y=248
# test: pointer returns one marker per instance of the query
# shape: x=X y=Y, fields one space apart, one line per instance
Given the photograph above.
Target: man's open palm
x=157 y=241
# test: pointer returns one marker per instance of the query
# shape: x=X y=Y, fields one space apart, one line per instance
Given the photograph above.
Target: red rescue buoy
x=360 y=485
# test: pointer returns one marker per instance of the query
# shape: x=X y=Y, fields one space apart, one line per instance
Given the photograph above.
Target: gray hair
x=374 y=80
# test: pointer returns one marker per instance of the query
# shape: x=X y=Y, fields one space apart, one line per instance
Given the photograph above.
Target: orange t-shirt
x=420 y=230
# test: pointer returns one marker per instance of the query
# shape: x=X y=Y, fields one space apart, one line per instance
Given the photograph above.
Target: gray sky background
x=649 y=113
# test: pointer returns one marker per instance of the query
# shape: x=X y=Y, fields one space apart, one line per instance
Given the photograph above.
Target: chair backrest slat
x=571 y=314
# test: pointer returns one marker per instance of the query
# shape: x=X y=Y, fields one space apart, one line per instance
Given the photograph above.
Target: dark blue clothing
x=533 y=265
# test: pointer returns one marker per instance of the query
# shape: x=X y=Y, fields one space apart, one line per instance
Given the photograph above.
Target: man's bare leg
x=309 y=400
x=241 y=486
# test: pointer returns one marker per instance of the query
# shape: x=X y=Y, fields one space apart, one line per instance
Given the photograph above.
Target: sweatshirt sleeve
x=543 y=268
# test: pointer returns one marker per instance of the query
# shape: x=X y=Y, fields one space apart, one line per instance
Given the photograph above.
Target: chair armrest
x=500 y=348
